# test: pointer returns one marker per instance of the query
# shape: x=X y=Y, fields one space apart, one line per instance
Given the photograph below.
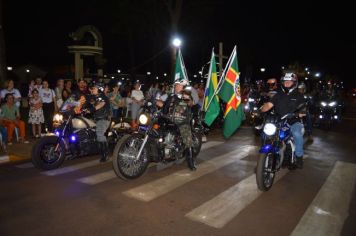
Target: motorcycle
x=157 y=140
x=277 y=150
x=74 y=136
x=327 y=112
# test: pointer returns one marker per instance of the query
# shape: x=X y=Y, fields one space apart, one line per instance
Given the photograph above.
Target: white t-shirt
x=137 y=94
x=46 y=95
x=14 y=91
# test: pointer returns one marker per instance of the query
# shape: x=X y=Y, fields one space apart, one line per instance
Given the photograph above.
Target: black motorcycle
x=74 y=136
x=327 y=112
x=157 y=140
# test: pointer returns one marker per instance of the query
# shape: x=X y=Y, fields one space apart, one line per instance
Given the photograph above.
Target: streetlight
x=306 y=68
x=27 y=70
x=9 y=68
x=157 y=77
x=165 y=74
x=317 y=74
x=263 y=69
x=119 y=71
x=177 y=42
x=194 y=76
x=148 y=73
x=112 y=77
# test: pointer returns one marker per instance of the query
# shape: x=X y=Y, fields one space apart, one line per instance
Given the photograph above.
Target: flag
x=180 y=71
x=211 y=100
x=230 y=93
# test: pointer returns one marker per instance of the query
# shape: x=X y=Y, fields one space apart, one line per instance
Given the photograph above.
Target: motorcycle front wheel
x=264 y=172
x=125 y=164
x=48 y=153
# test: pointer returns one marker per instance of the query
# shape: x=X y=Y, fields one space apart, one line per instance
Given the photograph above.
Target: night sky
x=267 y=34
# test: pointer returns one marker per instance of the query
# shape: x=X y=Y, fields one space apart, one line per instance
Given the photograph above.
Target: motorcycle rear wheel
x=124 y=163
x=264 y=174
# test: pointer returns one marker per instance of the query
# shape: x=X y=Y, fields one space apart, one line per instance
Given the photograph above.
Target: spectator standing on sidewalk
x=36 y=117
x=58 y=92
x=49 y=106
x=10 y=89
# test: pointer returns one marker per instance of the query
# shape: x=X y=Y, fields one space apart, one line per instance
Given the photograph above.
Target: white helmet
x=289 y=77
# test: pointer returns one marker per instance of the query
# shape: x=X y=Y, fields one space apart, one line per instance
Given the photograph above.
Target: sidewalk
x=17 y=152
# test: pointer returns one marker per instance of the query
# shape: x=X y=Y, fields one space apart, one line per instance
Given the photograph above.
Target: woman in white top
x=137 y=101
x=49 y=105
x=10 y=89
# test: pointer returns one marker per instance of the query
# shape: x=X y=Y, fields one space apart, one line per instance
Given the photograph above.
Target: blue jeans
x=3 y=133
x=296 y=129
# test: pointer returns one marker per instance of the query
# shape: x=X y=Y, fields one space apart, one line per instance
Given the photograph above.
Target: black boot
x=104 y=151
x=300 y=162
x=190 y=159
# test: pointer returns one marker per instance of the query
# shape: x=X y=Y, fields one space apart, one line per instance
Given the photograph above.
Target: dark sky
x=267 y=34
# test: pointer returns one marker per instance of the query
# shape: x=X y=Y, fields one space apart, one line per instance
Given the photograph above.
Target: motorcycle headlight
x=269 y=129
x=332 y=104
x=251 y=100
x=144 y=119
x=324 y=104
x=58 y=119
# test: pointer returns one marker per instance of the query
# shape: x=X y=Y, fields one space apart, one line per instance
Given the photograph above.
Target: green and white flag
x=180 y=74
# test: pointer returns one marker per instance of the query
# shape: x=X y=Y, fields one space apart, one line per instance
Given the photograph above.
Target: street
x=84 y=197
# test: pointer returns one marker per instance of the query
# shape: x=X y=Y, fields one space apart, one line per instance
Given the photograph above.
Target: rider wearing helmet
x=178 y=106
x=308 y=122
x=272 y=87
x=286 y=101
x=101 y=110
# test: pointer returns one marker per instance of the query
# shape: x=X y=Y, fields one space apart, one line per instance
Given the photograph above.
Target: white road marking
x=98 y=178
x=108 y=175
x=4 y=159
x=69 y=169
x=218 y=211
x=150 y=191
x=329 y=209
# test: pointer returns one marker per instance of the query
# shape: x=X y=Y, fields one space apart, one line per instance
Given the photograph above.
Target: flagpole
x=207 y=83
x=219 y=84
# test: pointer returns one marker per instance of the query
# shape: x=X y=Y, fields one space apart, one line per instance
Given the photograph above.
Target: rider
x=287 y=101
x=272 y=87
x=178 y=105
x=101 y=110
x=308 y=123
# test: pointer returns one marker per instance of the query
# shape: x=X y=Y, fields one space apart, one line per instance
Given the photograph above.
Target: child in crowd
x=36 y=113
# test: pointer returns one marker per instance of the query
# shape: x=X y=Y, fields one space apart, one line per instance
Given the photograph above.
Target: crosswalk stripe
x=329 y=209
x=98 y=178
x=108 y=175
x=218 y=211
x=150 y=191
x=69 y=169
x=25 y=165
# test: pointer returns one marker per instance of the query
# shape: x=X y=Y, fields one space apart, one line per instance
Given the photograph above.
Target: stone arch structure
x=81 y=49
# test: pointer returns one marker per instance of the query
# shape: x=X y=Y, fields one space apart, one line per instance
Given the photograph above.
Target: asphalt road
x=84 y=197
